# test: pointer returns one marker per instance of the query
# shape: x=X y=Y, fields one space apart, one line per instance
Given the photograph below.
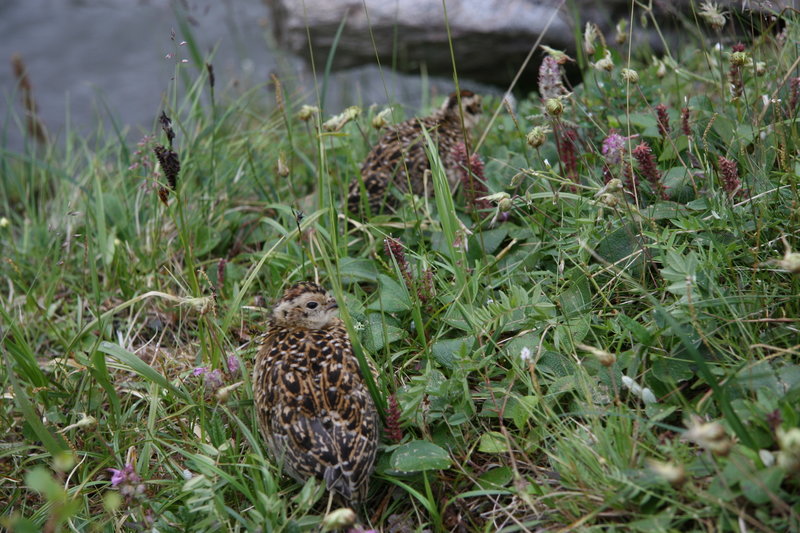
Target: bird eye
x=312 y=305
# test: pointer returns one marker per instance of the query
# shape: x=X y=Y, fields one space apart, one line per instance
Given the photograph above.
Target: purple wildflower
x=613 y=148
x=392 y=430
x=687 y=130
x=729 y=174
x=233 y=365
x=567 y=144
x=213 y=380
x=647 y=166
x=663 y=120
x=550 y=84
x=199 y=371
x=127 y=481
x=472 y=178
x=794 y=95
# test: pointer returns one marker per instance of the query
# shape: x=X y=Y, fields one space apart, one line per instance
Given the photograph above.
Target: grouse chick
x=399 y=158
x=314 y=408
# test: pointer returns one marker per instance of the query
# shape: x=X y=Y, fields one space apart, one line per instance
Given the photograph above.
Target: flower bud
x=554 y=106
x=537 y=136
x=739 y=59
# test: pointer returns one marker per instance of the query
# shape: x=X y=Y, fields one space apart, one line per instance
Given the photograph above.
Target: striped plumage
x=399 y=157
x=314 y=408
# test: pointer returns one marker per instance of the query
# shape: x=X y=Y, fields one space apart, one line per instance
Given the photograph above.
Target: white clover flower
x=525 y=354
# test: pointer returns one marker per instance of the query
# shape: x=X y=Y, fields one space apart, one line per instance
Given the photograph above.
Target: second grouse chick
x=399 y=158
x=314 y=408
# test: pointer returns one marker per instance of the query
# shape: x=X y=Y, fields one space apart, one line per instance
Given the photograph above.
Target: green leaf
x=493 y=442
x=353 y=269
x=495 y=478
x=447 y=352
x=379 y=332
x=392 y=297
x=768 y=482
x=54 y=443
x=42 y=481
x=486 y=242
x=521 y=408
x=623 y=247
x=639 y=332
x=418 y=456
x=672 y=369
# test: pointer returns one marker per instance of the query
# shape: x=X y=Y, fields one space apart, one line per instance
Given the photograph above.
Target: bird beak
x=332 y=305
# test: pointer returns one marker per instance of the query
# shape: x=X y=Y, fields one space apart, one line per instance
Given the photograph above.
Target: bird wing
x=319 y=417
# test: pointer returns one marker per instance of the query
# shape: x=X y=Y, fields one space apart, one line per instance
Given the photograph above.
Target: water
x=87 y=59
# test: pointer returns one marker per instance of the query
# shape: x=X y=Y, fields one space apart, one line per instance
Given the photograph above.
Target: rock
x=491 y=38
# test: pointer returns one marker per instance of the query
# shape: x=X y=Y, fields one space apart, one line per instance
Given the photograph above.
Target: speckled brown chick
x=314 y=408
x=399 y=158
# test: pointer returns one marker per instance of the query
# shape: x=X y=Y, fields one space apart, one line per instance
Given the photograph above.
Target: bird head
x=470 y=104
x=305 y=305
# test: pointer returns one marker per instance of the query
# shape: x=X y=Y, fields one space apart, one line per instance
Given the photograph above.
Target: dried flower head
x=537 y=136
x=661 y=68
x=560 y=56
x=790 y=263
x=711 y=13
x=622 y=32
x=590 y=34
x=629 y=75
x=605 y=358
x=283 y=169
x=337 y=122
x=166 y=125
x=607 y=63
x=381 y=119
x=709 y=435
x=306 y=112
x=673 y=474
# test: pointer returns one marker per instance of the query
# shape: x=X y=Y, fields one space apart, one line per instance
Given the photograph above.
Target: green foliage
x=582 y=353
